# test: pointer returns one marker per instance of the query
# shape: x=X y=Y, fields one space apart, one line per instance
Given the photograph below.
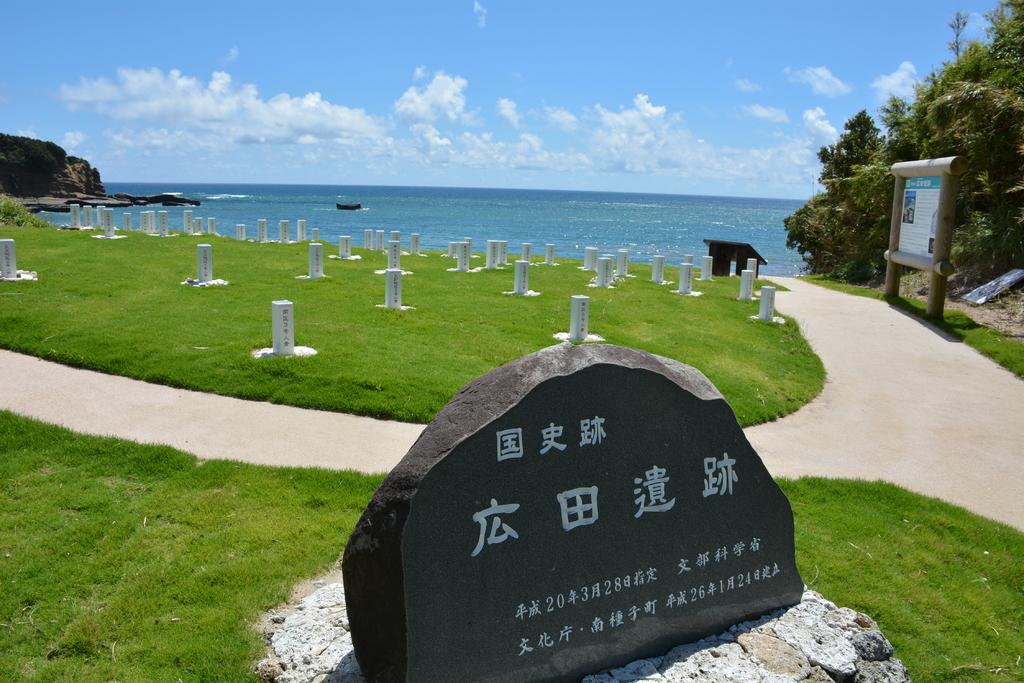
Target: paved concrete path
x=206 y=425
x=902 y=403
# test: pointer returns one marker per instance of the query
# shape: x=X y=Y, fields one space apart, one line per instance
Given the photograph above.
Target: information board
x=920 y=215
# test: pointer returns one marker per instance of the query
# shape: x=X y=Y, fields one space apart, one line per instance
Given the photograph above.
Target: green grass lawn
x=117 y=306
x=126 y=562
x=989 y=342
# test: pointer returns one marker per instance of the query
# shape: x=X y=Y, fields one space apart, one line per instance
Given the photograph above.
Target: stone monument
x=573 y=510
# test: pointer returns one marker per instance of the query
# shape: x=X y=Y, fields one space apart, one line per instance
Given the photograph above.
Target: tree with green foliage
x=972 y=106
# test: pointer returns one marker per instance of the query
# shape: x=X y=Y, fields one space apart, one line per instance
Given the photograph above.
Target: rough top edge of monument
x=477 y=404
x=955 y=165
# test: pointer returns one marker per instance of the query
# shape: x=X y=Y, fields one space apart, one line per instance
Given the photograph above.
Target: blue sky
x=726 y=98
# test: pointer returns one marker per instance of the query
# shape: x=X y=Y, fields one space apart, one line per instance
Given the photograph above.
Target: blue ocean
x=646 y=224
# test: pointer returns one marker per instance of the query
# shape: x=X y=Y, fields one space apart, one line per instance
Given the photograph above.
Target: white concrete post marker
x=767 y=311
x=87 y=217
x=549 y=255
x=126 y=222
x=261 y=230
x=527 y=251
x=502 y=253
x=186 y=222
x=380 y=240
x=300 y=229
x=316 y=261
x=367 y=239
x=604 y=273
x=688 y=258
x=622 y=263
x=76 y=216
x=282 y=326
x=414 y=244
x=393 y=291
x=706 y=263
x=211 y=226
x=579 y=321
x=589 y=259
x=521 y=283
x=9 y=264
x=316 y=234
x=394 y=255
x=282 y=228
x=240 y=232
x=204 y=263
x=491 y=255
x=396 y=235
x=752 y=266
x=686 y=280
x=461 y=257
x=345 y=249
x=658 y=269
x=747 y=285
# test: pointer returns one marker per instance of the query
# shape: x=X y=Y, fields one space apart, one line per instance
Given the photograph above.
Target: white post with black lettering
x=240 y=232
x=108 y=222
x=8 y=260
x=316 y=234
x=747 y=285
x=706 y=264
x=204 y=263
x=316 y=261
x=186 y=221
x=261 y=230
x=76 y=216
x=590 y=258
x=344 y=246
x=300 y=229
x=685 y=279
x=396 y=235
x=126 y=222
x=521 y=287
x=752 y=266
x=622 y=263
x=367 y=239
x=502 y=253
x=688 y=258
x=527 y=251
x=462 y=257
x=211 y=226
x=380 y=240
x=393 y=288
x=604 y=272
x=283 y=327
x=767 y=311
x=87 y=217
x=414 y=244
x=579 y=317
x=282 y=232
x=658 y=269
x=394 y=255
x=549 y=255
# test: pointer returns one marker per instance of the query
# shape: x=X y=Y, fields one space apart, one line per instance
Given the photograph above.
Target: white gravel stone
x=813 y=642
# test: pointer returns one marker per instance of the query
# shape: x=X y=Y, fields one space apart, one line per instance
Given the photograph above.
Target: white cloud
x=443 y=98
x=821 y=80
x=507 y=110
x=773 y=114
x=220 y=109
x=743 y=85
x=822 y=132
x=27 y=133
x=561 y=119
x=419 y=73
x=481 y=14
x=900 y=82
x=232 y=55
x=72 y=139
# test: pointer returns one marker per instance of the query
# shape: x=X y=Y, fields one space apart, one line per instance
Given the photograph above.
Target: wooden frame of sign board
x=931 y=253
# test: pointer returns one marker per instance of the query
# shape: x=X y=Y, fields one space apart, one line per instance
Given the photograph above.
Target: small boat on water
x=349 y=207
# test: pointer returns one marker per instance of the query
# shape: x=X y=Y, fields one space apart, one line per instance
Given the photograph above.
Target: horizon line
x=458 y=187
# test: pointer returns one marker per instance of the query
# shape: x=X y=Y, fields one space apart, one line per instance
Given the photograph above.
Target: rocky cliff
x=36 y=168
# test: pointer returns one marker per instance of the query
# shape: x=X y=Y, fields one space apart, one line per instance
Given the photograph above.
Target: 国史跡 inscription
x=576 y=509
